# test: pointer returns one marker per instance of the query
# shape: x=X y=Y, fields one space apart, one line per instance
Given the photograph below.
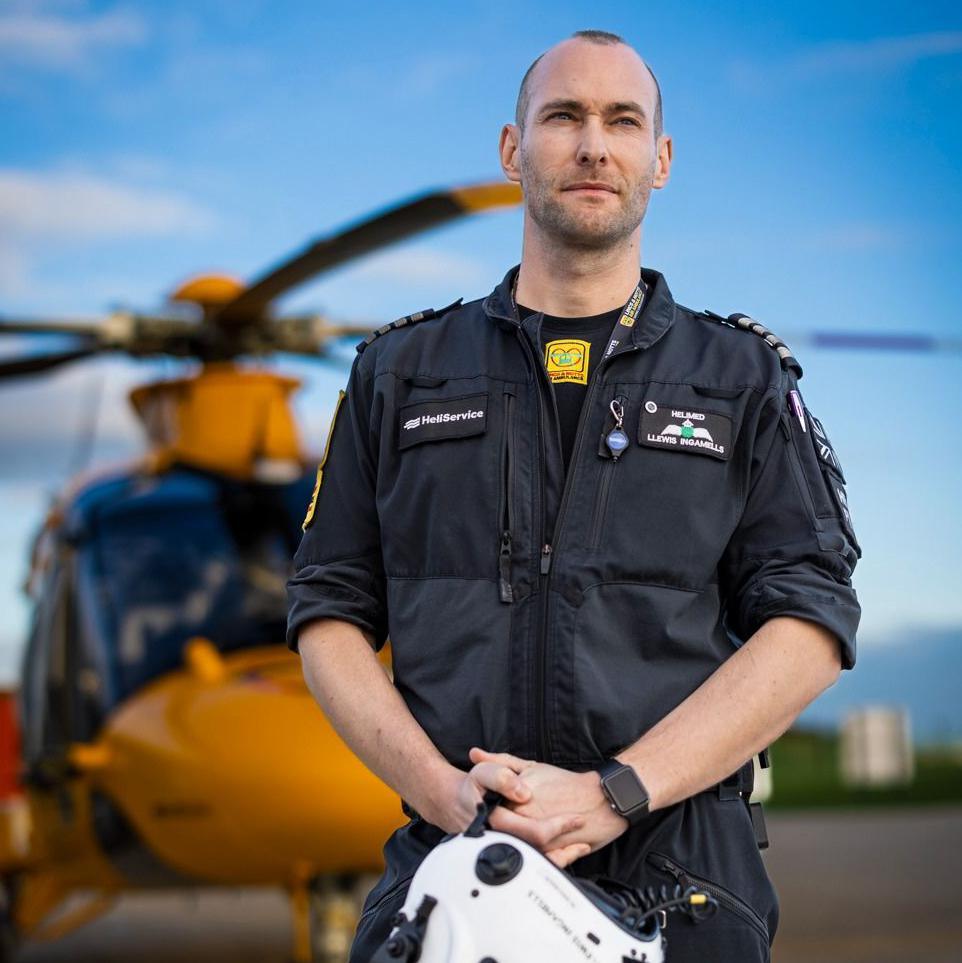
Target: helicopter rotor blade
x=310 y=334
x=900 y=342
x=385 y=227
x=334 y=332
x=83 y=329
x=38 y=363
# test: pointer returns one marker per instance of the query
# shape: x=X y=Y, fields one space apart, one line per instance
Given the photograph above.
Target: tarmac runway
x=855 y=887
x=869 y=886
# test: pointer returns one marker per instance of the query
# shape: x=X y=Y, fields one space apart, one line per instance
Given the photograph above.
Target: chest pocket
x=675 y=493
x=438 y=484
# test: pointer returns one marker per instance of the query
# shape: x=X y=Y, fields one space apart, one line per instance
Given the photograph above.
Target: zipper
x=601 y=502
x=723 y=896
x=541 y=726
x=798 y=469
x=543 y=431
x=387 y=894
x=544 y=565
x=576 y=448
x=506 y=508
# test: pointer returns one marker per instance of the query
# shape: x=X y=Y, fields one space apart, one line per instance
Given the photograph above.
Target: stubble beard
x=588 y=228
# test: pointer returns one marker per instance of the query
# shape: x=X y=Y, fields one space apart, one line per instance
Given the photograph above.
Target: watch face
x=626 y=789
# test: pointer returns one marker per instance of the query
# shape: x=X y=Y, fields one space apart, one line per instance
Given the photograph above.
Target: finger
x=566 y=855
x=490 y=775
x=574 y=837
x=505 y=758
x=541 y=833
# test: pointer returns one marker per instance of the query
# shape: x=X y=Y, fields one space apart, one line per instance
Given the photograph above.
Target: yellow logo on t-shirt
x=567 y=360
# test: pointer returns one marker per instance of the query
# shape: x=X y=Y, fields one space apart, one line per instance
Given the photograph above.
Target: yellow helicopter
x=162 y=733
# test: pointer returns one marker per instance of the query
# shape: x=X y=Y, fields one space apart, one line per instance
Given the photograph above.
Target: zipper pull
x=545 y=559
x=504 y=567
x=670 y=867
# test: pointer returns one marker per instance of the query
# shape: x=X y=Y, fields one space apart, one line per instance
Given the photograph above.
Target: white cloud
x=131 y=166
x=832 y=59
x=14 y=270
x=859 y=237
x=421 y=265
x=43 y=212
x=60 y=40
x=429 y=73
x=61 y=401
x=413 y=78
x=68 y=206
x=880 y=53
x=841 y=237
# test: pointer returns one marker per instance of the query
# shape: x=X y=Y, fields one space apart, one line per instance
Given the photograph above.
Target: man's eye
x=559 y=113
x=629 y=120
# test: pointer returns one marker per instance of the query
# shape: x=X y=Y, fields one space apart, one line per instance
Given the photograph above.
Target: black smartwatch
x=624 y=790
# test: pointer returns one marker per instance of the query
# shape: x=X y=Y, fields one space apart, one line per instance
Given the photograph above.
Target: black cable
x=694 y=903
x=634 y=907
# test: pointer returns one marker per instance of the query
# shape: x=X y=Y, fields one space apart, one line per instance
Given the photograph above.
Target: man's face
x=587 y=159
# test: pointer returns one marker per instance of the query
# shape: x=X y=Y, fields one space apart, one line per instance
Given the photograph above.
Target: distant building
x=876 y=748
x=762 y=789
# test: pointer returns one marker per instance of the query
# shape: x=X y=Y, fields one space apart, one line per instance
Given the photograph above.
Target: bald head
x=600 y=37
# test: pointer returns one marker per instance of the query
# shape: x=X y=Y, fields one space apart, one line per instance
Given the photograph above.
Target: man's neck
x=574 y=282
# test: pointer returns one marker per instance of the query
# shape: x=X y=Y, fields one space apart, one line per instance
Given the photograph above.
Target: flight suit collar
x=657 y=314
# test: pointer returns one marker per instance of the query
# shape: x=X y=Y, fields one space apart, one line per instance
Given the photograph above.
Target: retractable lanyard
x=617 y=440
x=624 y=324
x=622 y=329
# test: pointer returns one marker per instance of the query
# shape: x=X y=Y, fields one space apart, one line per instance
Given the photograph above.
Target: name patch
x=447 y=418
x=690 y=430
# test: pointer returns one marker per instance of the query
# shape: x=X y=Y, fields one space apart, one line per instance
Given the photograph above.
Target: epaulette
x=424 y=315
x=746 y=323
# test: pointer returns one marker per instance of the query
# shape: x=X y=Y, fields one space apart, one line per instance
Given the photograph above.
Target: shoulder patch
x=424 y=315
x=746 y=323
x=309 y=517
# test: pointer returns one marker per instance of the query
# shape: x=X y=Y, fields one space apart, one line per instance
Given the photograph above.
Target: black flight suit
x=560 y=617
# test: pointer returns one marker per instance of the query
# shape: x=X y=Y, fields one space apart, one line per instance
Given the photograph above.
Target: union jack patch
x=823 y=446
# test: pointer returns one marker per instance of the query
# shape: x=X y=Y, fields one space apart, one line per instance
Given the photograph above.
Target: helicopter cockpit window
x=201 y=558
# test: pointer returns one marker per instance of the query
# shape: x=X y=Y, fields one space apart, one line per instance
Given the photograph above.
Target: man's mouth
x=592 y=187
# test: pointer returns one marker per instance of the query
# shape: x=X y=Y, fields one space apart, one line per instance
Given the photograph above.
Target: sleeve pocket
x=822 y=474
x=836 y=486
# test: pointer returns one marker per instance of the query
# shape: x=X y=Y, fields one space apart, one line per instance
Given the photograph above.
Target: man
x=609 y=543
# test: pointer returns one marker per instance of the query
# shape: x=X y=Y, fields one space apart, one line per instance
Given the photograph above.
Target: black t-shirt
x=571 y=349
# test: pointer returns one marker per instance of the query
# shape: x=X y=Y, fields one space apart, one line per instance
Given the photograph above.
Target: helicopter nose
x=228 y=770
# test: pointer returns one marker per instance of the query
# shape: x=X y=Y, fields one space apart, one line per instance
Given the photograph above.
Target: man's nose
x=592 y=149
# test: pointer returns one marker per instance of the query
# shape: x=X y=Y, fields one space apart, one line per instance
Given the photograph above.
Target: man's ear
x=509 y=147
x=663 y=162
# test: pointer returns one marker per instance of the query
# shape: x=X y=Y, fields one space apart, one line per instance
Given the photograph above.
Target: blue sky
x=815 y=186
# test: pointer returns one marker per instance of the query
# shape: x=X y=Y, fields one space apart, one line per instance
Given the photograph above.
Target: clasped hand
x=563 y=814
